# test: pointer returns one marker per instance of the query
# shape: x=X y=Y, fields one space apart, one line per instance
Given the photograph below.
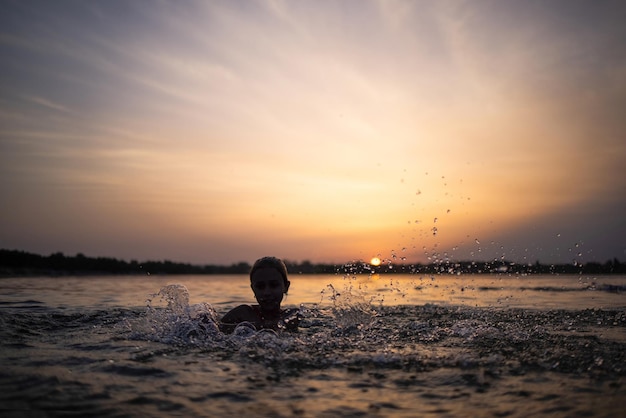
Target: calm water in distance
x=225 y=291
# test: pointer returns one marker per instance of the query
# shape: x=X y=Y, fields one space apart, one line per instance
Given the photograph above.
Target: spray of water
x=351 y=307
x=170 y=318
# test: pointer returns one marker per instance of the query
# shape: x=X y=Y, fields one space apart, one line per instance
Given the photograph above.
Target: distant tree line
x=20 y=263
x=23 y=263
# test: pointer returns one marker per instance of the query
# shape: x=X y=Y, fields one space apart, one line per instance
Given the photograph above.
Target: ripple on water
x=350 y=358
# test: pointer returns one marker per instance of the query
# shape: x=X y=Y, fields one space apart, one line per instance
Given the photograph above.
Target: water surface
x=390 y=345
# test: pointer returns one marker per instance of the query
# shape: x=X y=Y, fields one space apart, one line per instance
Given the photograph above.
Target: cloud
x=49 y=104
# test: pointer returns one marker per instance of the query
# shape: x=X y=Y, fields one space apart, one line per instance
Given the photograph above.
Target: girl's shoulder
x=241 y=313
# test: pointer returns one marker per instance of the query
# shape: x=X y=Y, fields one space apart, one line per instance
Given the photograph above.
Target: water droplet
x=477 y=241
x=434 y=230
x=435 y=220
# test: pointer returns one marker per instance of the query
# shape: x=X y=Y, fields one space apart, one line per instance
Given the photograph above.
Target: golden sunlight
x=375 y=261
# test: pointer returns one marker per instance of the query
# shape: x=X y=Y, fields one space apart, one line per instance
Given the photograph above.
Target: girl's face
x=268 y=287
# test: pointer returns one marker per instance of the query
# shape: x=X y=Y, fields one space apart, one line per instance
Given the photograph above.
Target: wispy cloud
x=48 y=104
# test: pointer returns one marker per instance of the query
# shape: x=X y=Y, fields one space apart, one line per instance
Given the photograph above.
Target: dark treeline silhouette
x=19 y=263
x=13 y=262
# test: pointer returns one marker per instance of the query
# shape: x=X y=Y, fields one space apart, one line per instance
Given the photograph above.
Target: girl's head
x=274 y=263
x=268 y=279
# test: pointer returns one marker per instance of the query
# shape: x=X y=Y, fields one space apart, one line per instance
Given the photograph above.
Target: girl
x=268 y=280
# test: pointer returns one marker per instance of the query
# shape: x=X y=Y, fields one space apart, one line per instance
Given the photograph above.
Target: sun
x=375 y=261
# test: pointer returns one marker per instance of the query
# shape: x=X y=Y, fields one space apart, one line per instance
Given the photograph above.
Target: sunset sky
x=214 y=132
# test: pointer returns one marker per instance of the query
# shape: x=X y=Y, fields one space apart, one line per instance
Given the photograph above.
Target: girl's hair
x=271 y=262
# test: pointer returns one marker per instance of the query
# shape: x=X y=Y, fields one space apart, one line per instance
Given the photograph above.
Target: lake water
x=388 y=345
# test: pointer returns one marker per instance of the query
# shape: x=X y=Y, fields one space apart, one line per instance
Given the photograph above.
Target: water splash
x=350 y=307
x=170 y=318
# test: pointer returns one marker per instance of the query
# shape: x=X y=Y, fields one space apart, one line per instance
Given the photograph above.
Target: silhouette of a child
x=268 y=280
